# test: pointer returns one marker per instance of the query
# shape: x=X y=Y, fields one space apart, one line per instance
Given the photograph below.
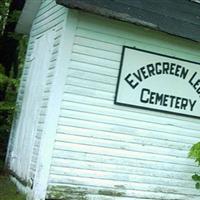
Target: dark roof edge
x=192 y=31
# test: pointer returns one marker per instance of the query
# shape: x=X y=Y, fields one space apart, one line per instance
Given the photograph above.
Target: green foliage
x=22 y=46
x=196 y=178
x=13 y=16
x=195 y=154
x=9 y=73
x=4 y=10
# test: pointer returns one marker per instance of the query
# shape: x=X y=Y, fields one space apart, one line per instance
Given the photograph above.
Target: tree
x=4 y=10
x=12 y=49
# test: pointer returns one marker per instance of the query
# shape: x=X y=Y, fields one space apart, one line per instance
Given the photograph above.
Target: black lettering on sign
x=165 y=101
x=184 y=73
x=144 y=95
x=158 y=68
x=144 y=73
x=150 y=97
x=151 y=70
x=130 y=81
x=165 y=68
x=177 y=102
x=158 y=82
x=172 y=101
x=184 y=103
x=138 y=75
x=195 y=82
x=159 y=99
x=177 y=71
x=192 y=103
x=172 y=68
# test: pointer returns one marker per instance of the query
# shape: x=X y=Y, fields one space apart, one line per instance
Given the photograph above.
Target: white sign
x=158 y=82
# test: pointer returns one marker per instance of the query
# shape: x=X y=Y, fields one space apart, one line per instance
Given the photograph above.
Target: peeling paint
x=112 y=193
x=78 y=193
x=67 y=193
x=122 y=187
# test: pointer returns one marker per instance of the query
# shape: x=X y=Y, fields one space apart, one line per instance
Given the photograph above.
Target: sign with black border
x=158 y=82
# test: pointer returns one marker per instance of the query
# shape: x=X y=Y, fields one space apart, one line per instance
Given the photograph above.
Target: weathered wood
x=179 y=17
x=101 y=145
x=84 y=144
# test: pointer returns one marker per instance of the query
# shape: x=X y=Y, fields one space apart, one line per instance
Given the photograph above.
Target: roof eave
x=165 y=25
x=27 y=16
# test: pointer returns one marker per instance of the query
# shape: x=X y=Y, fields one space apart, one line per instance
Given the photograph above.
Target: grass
x=8 y=191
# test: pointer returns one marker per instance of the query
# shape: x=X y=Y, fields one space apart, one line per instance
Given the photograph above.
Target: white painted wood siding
x=43 y=45
x=49 y=18
x=105 y=151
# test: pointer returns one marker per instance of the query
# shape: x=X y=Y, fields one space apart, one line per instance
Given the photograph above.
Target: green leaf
x=3 y=78
x=195 y=152
x=13 y=16
x=197 y=185
x=196 y=177
x=6 y=106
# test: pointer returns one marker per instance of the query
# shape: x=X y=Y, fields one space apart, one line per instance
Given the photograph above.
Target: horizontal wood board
x=106 y=151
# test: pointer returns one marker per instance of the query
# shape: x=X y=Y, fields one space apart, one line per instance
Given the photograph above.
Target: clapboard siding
x=46 y=19
x=13 y=147
x=126 y=169
x=148 y=181
x=49 y=20
x=128 y=38
x=101 y=148
x=13 y=136
x=48 y=14
x=44 y=103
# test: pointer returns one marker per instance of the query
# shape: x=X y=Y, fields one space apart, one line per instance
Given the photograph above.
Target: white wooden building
x=74 y=136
